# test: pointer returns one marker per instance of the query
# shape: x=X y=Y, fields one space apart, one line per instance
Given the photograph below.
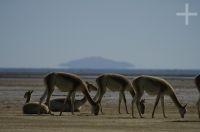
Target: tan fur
x=115 y=82
x=67 y=82
x=156 y=86
x=33 y=107
x=56 y=104
x=197 y=82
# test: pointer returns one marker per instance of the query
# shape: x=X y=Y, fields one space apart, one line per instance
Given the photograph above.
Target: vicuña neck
x=97 y=94
x=28 y=99
x=175 y=100
x=87 y=95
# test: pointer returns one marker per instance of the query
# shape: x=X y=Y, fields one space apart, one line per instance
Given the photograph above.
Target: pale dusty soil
x=12 y=119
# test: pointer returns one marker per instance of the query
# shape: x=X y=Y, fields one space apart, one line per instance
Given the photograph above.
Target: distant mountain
x=96 y=63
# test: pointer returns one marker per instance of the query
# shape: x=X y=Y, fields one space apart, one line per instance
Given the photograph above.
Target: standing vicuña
x=33 y=107
x=197 y=82
x=115 y=82
x=67 y=82
x=156 y=86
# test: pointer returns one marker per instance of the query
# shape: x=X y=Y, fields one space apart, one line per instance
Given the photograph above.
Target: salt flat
x=12 y=119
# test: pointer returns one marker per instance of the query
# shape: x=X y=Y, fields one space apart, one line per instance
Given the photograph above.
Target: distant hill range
x=96 y=63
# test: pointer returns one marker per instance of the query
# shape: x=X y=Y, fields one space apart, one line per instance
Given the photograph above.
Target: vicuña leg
x=155 y=105
x=120 y=100
x=71 y=97
x=163 y=107
x=198 y=107
x=122 y=95
x=136 y=99
x=124 y=98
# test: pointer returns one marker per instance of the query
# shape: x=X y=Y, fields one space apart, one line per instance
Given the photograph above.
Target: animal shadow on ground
x=184 y=121
x=105 y=116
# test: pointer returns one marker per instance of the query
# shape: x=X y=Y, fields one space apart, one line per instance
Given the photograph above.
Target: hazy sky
x=146 y=33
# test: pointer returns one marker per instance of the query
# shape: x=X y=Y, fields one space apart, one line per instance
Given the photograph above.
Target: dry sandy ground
x=12 y=119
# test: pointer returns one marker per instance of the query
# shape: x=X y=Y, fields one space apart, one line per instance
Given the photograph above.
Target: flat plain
x=13 y=120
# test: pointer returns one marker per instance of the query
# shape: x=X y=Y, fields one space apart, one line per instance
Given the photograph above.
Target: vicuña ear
x=31 y=91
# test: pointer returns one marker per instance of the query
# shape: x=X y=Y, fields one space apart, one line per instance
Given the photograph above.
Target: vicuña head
x=27 y=95
x=182 y=111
